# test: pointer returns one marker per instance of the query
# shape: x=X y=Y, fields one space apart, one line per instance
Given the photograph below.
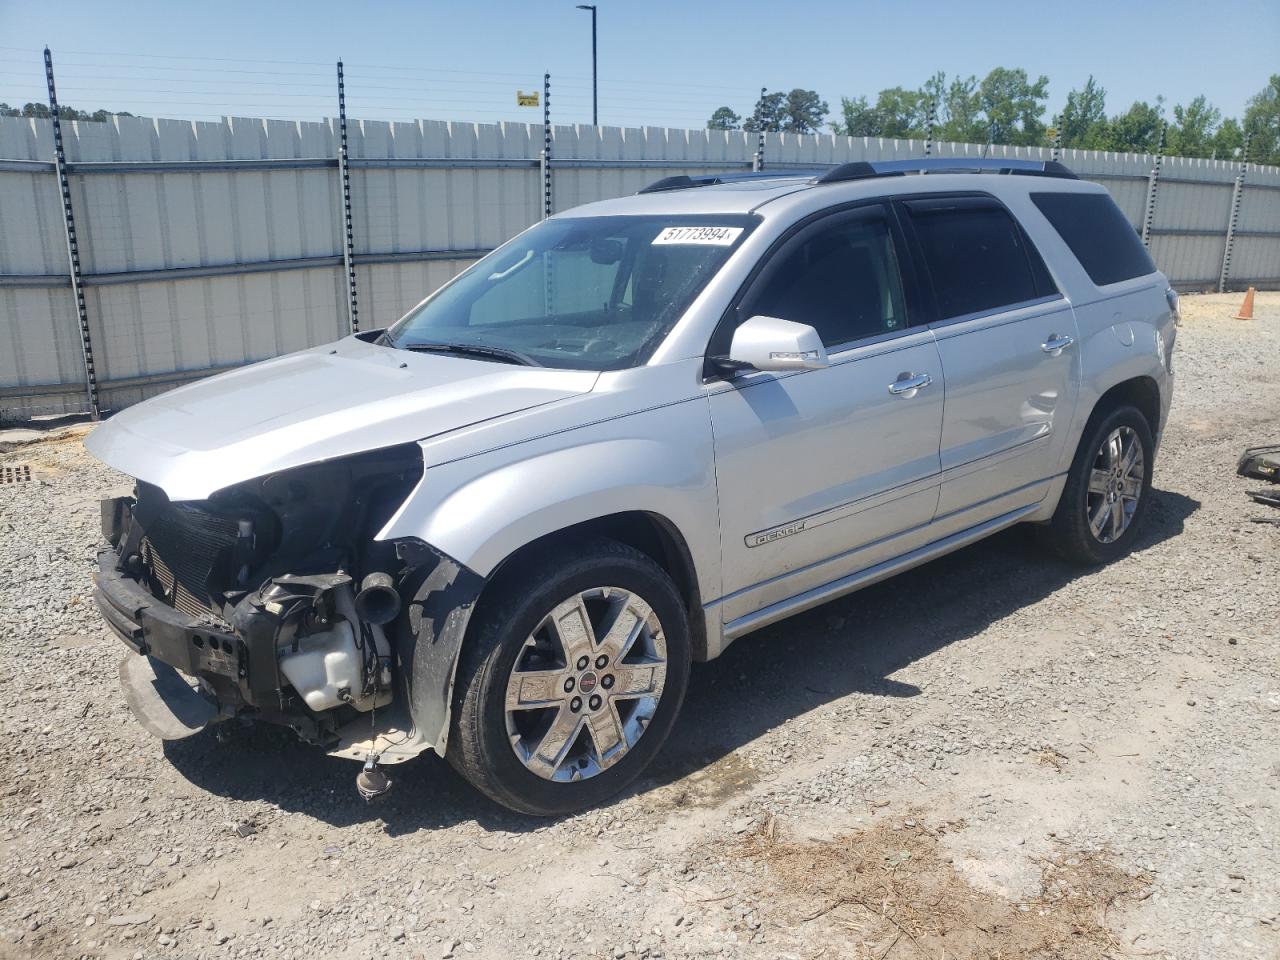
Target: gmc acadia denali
x=502 y=528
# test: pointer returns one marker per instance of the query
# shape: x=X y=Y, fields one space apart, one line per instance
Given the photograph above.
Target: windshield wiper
x=485 y=352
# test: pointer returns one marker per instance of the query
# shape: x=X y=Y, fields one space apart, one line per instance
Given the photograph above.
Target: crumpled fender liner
x=162 y=701
x=431 y=629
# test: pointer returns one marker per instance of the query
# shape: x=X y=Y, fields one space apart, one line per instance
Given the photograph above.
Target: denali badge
x=777 y=533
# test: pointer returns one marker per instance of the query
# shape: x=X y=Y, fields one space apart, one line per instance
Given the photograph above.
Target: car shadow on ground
x=851 y=645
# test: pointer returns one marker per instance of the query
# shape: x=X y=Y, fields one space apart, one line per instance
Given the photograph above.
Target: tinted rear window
x=978 y=257
x=1104 y=242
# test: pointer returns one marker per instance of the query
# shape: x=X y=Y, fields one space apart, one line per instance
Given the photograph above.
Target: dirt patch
x=893 y=890
x=706 y=785
x=24 y=438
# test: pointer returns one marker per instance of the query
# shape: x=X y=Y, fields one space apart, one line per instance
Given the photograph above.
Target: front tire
x=574 y=670
x=1107 y=491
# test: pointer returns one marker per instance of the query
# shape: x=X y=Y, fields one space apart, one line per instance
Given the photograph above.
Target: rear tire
x=1107 y=491
x=574 y=669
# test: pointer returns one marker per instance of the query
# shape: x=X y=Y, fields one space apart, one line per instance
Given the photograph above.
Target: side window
x=977 y=255
x=1105 y=243
x=840 y=278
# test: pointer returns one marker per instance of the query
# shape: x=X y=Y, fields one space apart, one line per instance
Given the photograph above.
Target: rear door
x=1007 y=341
x=818 y=470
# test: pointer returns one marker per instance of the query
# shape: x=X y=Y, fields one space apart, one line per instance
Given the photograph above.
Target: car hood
x=319 y=404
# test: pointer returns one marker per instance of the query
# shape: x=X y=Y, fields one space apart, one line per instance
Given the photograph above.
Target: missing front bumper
x=236 y=678
x=152 y=628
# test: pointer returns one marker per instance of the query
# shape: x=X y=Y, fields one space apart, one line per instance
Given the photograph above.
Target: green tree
x=1012 y=106
x=902 y=113
x=1137 y=130
x=1262 y=123
x=1192 y=131
x=961 y=115
x=800 y=111
x=806 y=112
x=1083 y=121
x=41 y=110
x=769 y=115
x=724 y=119
x=1228 y=140
x=858 y=118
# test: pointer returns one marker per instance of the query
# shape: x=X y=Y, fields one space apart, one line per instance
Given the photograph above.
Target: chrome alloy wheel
x=586 y=684
x=1115 y=484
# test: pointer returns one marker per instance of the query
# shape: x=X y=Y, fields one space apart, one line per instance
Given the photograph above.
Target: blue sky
x=661 y=62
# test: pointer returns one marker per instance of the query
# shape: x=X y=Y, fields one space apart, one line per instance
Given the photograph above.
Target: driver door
x=819 y=470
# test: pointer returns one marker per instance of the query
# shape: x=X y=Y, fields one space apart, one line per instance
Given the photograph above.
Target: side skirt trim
x=864 y=578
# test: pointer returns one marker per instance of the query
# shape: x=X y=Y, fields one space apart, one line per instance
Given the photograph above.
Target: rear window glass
x=977 y=255
x=1104 y=242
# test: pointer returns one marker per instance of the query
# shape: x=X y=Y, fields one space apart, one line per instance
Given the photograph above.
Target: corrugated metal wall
x=192 y=266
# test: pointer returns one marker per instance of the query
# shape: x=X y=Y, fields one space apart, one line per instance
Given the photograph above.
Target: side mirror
x=768 y=343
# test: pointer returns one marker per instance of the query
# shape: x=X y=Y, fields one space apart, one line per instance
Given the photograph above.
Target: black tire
x=1069 y=532
x=510 y=610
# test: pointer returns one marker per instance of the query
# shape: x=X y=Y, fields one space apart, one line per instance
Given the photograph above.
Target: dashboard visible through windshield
x=595 y=293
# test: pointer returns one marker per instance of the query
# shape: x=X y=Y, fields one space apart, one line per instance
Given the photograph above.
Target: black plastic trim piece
x=857 y=170
x=685 y=182
x=863 y=169
x=430 y=631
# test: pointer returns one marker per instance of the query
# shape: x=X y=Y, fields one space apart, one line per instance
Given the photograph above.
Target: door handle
x=1056 y=344
x=908 y=384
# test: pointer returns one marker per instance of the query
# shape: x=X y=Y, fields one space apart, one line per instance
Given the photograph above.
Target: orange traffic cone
x=1246 y=308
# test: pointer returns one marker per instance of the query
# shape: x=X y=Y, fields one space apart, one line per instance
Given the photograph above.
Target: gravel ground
x=1002 y=718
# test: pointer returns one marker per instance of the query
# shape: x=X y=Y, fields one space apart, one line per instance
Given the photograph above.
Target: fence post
x=546 y=145
x=1153 y=185
x=991 y=137
x=1237 y=195
x=73 y=244
x=757 y=162
x=348 y=241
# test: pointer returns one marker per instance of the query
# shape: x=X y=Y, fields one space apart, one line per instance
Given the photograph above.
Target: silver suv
x=503 y=528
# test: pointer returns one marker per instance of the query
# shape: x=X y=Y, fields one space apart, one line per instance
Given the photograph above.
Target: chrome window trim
x=1001 y=312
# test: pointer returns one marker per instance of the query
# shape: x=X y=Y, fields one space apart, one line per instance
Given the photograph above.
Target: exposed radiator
x=182 y=546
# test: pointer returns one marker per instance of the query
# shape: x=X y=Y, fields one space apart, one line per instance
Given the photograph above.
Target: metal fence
x=200 y=246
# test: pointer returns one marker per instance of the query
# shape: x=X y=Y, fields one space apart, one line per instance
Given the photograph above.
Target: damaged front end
x=275 y=597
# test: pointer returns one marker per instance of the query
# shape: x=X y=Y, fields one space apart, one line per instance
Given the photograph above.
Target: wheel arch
x=652 y=534
x=1141 y=391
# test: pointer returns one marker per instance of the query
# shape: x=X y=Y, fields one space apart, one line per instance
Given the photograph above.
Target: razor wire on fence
x=136 y=254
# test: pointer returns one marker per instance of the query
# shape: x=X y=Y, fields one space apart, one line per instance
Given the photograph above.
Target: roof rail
x=862 y=169
x=683 y=182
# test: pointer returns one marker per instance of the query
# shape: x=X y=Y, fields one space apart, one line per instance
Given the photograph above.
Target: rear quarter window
x=977 y=256
x=1099 y=235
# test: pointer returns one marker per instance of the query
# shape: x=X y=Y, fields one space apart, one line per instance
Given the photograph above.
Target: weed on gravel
x=893 y=891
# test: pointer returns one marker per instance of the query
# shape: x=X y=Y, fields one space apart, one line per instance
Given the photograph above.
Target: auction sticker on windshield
x=708 y=236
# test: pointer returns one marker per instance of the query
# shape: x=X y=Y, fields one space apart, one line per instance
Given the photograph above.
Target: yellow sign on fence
x=526 y=99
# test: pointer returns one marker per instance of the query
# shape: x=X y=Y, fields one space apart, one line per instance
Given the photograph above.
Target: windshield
x=595 y=293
